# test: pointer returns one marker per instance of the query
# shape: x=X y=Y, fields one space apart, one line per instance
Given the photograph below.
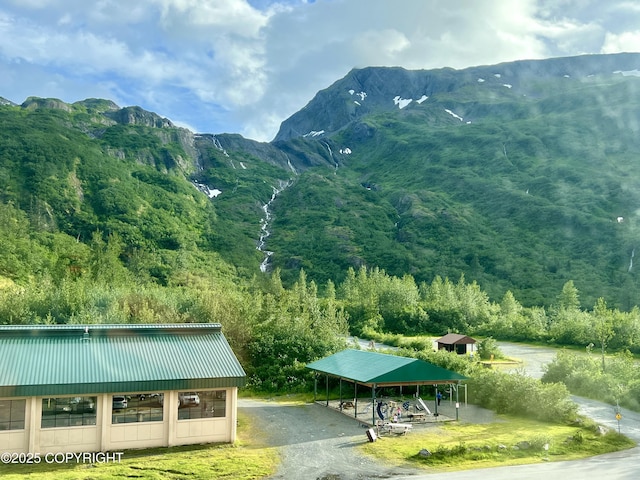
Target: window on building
x=140 y=407
x=12 y=414
x=68 y=412
x=207 y=404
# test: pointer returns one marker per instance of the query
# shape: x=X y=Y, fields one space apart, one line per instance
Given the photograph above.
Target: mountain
x=520 y=176
x=365 y=91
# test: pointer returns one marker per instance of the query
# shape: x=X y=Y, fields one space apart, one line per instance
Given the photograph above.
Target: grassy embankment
x=461 y=447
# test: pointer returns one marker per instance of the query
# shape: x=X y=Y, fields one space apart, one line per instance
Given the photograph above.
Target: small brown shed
x=455 y=342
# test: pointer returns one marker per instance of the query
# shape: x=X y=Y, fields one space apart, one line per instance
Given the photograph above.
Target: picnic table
x=396 y=427
x=421 y=416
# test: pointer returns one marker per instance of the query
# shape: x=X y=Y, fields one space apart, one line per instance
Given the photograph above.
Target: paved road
x=533 y=358
x=614 y=466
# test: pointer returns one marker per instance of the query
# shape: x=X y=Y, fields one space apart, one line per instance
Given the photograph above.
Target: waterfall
x=291 y=166
x=264 y=226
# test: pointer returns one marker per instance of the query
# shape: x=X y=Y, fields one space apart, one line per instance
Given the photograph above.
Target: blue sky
x=243 y=66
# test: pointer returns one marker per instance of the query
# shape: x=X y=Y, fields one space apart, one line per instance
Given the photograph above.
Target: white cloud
x=244 y=66
x=388 y=42
x=227 y=16
x=624 y=42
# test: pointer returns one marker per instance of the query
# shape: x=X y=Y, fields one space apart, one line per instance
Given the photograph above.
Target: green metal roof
x=74 y=359
x=369 y=368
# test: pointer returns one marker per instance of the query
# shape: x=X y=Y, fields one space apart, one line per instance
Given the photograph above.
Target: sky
x=244 y=66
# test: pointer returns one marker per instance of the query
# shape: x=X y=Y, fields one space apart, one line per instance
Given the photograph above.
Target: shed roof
x=455 y=339
x=75 y=359
x=371 y=368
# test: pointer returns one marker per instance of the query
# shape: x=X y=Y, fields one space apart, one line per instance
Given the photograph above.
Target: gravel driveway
x=317 y=442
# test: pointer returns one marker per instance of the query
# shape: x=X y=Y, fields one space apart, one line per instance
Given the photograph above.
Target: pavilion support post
x=436 y=403
x=457 y=400
x=315 y=387
x=327 y=388
x=340 y=393
x=373 y=404
x=355 y=400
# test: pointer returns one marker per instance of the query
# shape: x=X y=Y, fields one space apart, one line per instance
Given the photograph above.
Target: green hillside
x=531 y=193
x=74 y=175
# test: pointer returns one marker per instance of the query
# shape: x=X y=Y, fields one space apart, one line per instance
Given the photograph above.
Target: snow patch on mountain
x=507 y=85
x=314 y=133
x=421 y=99
x=345 y=151
x=208 y=191
x=454 y=115
x=362 y=95
x=481 y=80
x=401 y=102
x=629 y=73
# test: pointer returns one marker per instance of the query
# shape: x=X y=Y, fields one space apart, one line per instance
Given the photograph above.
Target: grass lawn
x=462 y=447
x=452 y=446
x=247 y=459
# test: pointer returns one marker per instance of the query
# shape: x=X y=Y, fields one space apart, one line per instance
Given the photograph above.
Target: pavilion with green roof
x=378 y=370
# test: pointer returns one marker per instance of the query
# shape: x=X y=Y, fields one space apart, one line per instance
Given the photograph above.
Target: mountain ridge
x=349 y=98
x=513 y=175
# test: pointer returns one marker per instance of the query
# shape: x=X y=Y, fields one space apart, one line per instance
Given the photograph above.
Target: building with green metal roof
x=73 y=388
x=378 y=370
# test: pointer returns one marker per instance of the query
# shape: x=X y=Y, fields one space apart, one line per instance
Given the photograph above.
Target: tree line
x=72 y=282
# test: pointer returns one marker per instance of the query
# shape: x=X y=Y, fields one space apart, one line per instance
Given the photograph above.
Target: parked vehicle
x=119 y=402
x=63 y=408
x=189 y=399
x=83 y=405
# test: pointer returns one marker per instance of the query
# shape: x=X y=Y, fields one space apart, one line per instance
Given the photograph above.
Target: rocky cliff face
x=367 y=90
x=4 y=101
x=139 y=116
x=33 y=103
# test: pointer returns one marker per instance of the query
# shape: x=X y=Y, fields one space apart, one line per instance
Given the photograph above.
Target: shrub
x=487 y=348
x=539 y=441
x=522 y=396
